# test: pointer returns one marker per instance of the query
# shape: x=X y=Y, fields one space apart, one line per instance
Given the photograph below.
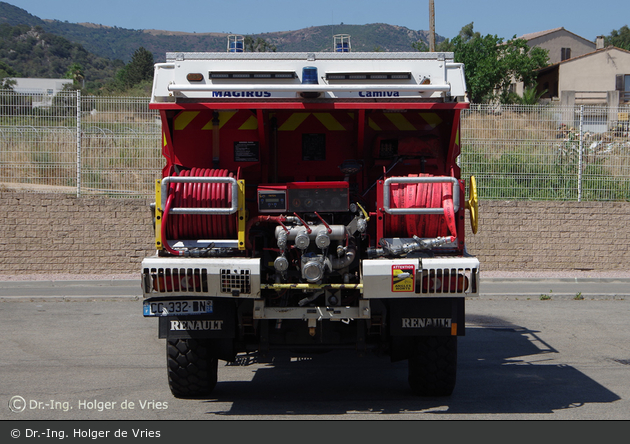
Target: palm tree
x=530 y=96
x=75 y=72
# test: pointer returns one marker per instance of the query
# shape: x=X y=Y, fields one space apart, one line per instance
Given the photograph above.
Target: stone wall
x=55 y=233
x=553 y=236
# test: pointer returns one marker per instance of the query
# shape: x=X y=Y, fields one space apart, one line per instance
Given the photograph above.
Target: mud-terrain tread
x=192 y=369
x=433 y=365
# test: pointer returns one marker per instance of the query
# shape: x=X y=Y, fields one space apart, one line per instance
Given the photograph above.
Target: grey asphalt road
x=556 y=288
x=90 y=356
x=76 y=289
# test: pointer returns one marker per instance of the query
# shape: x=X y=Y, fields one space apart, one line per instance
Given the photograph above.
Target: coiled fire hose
x=198 y=195
x=422 y=195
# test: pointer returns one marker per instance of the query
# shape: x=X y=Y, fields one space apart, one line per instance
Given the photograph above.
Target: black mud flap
x=409 y=318
x=427 y=317
x=219 y=324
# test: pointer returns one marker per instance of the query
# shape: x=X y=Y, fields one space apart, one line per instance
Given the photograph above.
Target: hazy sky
x=504 y=18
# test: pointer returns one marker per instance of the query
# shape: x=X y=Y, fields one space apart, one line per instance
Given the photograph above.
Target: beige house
x=580 y=71
x=560 y=44
x=601 y=77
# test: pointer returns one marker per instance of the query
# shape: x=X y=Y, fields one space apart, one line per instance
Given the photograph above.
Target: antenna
x=431 y=26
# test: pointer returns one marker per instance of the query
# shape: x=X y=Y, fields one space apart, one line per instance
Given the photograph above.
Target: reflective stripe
x=184 y=118
x=410 y=121
x=329 y=122
x=431 y=118
x=224 y=117
x=400 y=121
x=250 y=124
x=373 y=125
x=294 y=121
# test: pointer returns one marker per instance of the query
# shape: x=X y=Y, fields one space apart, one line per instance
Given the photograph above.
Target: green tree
x=75 y=72
x=139 y=69
x=7 y=84
x=465 y=34
x=619 y=38
x=11 y=103
x=530 y=96
x=258 y=45
x=521 y=62
x=32 y=52
x=5 y=73
x=420 y=46
x=490 y=65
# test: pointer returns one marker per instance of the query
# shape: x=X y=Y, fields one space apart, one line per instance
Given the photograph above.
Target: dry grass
x=121 y=155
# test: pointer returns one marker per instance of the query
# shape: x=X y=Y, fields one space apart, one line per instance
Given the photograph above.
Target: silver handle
x=391 y=180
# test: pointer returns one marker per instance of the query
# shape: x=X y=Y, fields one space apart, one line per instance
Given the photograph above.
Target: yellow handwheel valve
x=472 y=204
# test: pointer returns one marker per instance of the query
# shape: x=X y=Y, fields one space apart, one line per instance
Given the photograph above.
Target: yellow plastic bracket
x=159 y=214
x=242 y=215
x=472 y=204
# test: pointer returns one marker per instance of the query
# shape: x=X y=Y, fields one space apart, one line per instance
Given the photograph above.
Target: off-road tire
x=192 y=368
x=433 y=365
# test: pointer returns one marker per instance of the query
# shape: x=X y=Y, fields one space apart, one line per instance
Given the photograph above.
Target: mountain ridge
x=120 y=43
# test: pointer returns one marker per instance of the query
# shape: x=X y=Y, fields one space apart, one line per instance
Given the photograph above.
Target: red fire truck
x=310 y=202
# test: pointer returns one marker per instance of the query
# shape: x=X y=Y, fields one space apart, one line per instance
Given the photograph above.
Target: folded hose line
x=422 y=195
x=198 y=195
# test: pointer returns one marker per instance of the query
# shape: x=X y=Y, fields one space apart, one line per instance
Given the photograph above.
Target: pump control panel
x=294 y=197
x=272 y=201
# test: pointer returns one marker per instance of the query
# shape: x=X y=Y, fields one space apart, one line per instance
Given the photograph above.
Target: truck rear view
x=310 y=202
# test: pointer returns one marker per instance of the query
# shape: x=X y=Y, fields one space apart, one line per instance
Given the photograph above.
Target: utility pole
x=431 y=26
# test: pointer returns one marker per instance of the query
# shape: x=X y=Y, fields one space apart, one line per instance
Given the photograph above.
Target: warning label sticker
x=403 y=278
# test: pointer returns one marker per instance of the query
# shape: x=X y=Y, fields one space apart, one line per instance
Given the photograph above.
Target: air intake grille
x=236 y=281
x=448 y=280
x=175 y=280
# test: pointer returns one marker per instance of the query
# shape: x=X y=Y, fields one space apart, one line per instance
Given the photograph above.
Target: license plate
x=177 y=308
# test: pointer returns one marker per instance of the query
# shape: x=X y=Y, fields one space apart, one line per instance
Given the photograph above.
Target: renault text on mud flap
x=196 y=325
x=426 y=322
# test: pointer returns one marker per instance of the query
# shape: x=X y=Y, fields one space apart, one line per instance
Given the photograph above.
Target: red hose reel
x=199 y=195
x=422 y=195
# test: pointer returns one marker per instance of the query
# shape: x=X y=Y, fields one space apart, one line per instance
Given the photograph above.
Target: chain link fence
x=84 y=145
x=112 y=146
x=548 y=152
x=120 y=151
